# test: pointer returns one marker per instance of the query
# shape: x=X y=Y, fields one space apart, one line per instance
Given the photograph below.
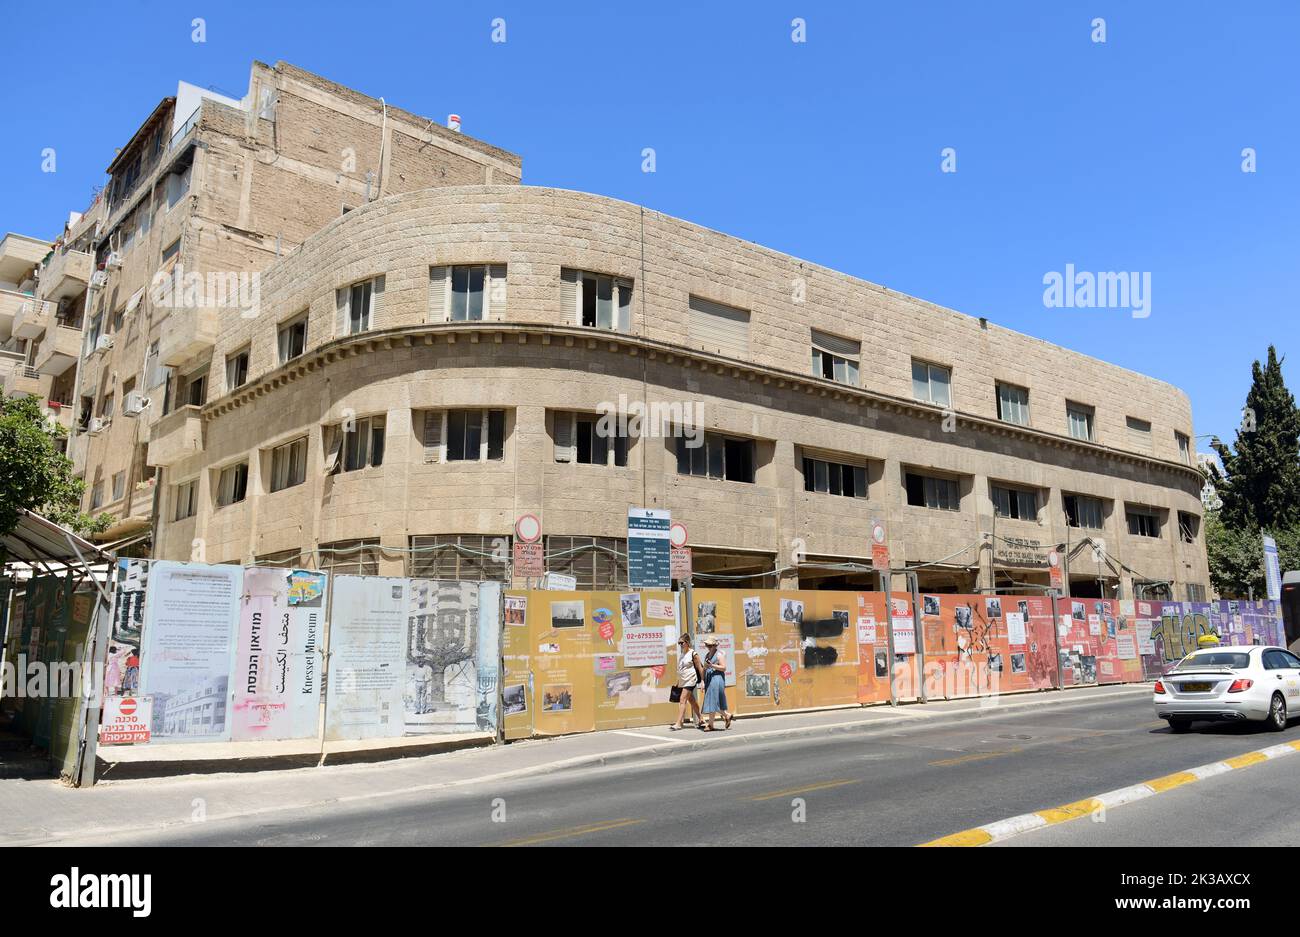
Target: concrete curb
x=1025 y=822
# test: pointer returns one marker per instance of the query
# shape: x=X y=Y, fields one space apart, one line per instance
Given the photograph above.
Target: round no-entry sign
x=677 y=535
x=127 y=707
x=528 y=528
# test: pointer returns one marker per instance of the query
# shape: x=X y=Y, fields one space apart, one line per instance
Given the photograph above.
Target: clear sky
x=1117 y=156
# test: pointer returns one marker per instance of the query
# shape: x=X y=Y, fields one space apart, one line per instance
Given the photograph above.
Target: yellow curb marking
x=571 y=831
x=1170 y=781
x=979 y=836
x=803 y=790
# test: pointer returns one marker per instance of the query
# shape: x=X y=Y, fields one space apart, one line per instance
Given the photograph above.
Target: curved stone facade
x=533 y=358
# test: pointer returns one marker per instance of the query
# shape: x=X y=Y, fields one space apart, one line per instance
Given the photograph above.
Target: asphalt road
x=897 y=788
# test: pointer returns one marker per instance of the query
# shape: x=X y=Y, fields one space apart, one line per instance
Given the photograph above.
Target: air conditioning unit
x=114 y=261
x=98 y=278
x=102 y=344
x=95 y=426
x=134 y=404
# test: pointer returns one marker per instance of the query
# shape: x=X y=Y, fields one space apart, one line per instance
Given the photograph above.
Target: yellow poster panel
x=587 y=660
x=787 y=649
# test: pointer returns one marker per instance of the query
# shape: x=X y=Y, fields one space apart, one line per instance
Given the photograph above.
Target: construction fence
x=195 y=652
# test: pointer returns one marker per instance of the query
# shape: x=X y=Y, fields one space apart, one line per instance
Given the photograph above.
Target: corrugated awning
x=38 y=540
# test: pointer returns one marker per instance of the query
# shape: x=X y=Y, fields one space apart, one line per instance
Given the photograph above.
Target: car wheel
x=1179 y=725
x=1277 y=713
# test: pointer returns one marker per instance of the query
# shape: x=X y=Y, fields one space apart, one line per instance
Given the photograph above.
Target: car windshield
x=1235 y=660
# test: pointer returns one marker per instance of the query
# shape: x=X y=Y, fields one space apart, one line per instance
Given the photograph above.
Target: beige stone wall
x=537 y=360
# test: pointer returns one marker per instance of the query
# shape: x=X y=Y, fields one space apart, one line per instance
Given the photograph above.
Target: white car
x=1230 y=683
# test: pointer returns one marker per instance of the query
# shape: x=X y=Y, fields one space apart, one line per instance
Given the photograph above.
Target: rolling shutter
x=565 y=450
x=569 y=298
x=497 y=291
x=835 y=345
x=438 y=306
x=722 y=330
x=432 y=437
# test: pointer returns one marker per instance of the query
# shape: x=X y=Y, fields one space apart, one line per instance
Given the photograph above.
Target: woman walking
x=688 y=678
x=715 y=683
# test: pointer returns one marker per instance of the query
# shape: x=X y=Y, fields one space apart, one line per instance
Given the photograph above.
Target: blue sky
x=1117 y=156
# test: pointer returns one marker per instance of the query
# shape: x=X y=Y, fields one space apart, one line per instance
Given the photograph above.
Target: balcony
x=24 y=381
x=18 y=255
x=10 y=304
x=59 y=350
x=59 y=414
x=33 y=319
x=66 y=275
x=187 y=333
x=175 y=437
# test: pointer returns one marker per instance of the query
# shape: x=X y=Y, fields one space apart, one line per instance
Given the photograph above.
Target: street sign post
x=879 y=547
x=529 y=557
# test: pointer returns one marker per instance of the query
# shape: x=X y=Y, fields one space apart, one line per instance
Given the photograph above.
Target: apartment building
x=433 y=345
x=212 y=190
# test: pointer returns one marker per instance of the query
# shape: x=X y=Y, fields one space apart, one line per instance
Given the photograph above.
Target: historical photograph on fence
x=758 y=684
x=568 y=614
x=706 y=617
x=557 y=698
x=441 y=693
x=630 y=607
x=514 y=698
x=792 y=611
x=753 y=606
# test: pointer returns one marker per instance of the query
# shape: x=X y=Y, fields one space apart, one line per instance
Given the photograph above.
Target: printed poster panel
x=368 y=655
x=644 y=647
x=190 y=622
x=488 y=664
x=278 y=659
x=122 y=659
x=442 y=664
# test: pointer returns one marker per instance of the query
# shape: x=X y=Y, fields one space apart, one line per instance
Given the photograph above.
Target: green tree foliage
x=34 y=475
x=1259 y=486
x=1260 y=483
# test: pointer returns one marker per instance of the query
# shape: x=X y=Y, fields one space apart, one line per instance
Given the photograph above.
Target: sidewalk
x=43 y=812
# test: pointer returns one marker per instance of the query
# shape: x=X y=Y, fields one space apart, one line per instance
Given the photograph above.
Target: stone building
x=432 y=346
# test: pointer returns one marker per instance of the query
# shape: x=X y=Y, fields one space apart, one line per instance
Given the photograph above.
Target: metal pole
x=1056 y=640
x=913 y=584
x=884 y=578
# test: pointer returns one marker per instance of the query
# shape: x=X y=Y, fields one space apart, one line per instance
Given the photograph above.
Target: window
x=1082 y=511
x=92 y=335
x=171 y=250
x=1013 y=404
x=119 y=485
x=1142 y=523
x=472 y=557
x=1184 y=448
x=361 y=445
x=834 y=478
x=931 y=383
x=927 y=491
x=178 y=184
x=97 y=496
x=196 y=389
x=350 y=557
x=595 y=562
x=1195 y=592
x=292 y=338
x=464 y=435
x=1015 y=503
x=232 y=484
x=186 y=500
x=835 y=358
x=1189 y=525
x=106 y=406
x=716 y=456
x=1079 y=419
x=357 y=306
x=596 y=300
x=1139 y=432
x=289 y=464
x=237 y=369
x=467 y=293
x=717 y=328
x=584 y=438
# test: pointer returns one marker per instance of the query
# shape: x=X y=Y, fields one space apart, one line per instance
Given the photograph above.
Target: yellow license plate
x=1196 y=687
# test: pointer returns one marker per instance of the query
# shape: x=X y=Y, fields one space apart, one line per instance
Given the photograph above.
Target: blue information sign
x=648 y=549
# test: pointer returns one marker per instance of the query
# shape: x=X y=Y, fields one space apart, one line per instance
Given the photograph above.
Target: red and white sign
x=126 y=720
x=879 y=547
x=528 y=528
x=677 y=535
x=679 y=562
x=1055 y=577
x=529 y=559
